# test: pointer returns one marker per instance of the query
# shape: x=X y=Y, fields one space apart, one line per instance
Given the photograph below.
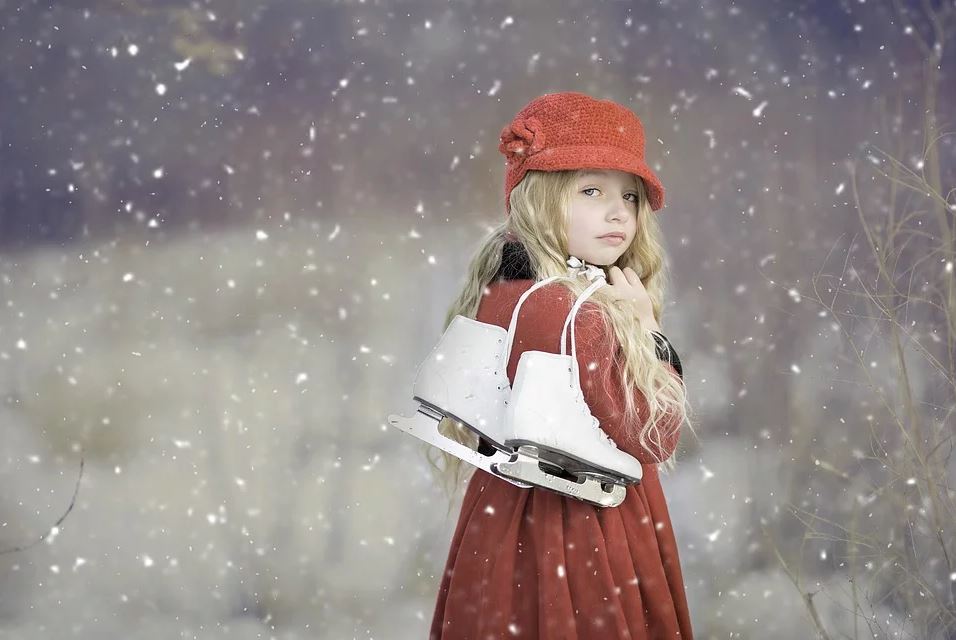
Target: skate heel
x=530 y=464
x=486 y=442
x=424 y=426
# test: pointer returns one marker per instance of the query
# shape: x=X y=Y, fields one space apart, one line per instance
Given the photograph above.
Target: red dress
x=531 y=563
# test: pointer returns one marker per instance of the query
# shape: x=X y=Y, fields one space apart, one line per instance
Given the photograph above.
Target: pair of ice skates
x=541 y=431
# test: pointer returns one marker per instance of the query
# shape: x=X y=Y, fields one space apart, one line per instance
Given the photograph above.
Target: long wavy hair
x=539 y=218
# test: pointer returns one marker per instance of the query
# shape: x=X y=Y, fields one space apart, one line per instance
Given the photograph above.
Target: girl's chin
x=602 y=261
x=605 y=258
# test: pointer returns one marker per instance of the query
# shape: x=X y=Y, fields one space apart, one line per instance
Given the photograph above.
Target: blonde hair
x=540 y=212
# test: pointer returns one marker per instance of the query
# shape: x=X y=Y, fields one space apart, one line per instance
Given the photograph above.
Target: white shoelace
x=592 y=272
x=580 y=267
x=595 y=423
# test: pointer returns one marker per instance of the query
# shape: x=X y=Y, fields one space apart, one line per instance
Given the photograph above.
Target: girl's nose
x=618 y=212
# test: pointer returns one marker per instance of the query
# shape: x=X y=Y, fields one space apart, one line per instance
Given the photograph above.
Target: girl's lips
x=612 y=240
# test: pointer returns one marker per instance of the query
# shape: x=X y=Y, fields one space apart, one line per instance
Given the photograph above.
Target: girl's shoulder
x=552 y=296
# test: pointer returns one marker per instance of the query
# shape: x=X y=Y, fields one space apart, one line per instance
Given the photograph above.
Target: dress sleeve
x=540 y=323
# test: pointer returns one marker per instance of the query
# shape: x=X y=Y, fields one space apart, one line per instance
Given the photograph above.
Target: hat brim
x=598 y=157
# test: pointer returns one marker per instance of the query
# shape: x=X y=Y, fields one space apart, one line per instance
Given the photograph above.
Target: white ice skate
x=558 y=443
x=465 y=378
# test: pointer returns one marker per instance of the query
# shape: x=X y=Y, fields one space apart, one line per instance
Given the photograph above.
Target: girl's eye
x=585 y=191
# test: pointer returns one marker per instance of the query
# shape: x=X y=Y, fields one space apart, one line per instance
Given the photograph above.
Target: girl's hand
x=626 y=287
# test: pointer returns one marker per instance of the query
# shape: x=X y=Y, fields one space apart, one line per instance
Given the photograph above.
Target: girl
x=532 y=563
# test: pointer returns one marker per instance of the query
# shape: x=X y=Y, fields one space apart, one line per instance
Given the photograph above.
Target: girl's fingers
x=625 y=283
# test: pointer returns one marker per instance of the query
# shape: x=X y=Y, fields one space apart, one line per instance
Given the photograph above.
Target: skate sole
x=574 y=465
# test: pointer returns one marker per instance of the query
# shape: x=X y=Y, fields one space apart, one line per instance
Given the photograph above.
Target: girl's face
x=604 y=202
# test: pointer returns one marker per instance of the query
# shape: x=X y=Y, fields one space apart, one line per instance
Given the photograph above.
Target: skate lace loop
x=595 y=423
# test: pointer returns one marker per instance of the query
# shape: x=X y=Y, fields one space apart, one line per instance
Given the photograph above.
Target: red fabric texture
x=531 y=563
x=572 y=130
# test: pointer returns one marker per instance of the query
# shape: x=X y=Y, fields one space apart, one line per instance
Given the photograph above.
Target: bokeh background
x=229 y=233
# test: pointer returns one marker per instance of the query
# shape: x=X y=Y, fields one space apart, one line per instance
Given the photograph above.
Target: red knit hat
x=572 y=130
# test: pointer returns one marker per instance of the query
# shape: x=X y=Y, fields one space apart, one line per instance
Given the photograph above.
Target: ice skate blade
x=572 y=464
x=526 y=468
x=424 y=426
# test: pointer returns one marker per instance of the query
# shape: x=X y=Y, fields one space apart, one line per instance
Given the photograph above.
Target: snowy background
x=229 y=232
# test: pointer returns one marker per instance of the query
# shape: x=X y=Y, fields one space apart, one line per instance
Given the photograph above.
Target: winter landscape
x=230 y=231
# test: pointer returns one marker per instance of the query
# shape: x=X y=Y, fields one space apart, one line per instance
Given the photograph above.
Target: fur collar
x=515 y=263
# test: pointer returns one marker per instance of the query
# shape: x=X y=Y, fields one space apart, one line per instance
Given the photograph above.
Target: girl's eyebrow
x=603 y=176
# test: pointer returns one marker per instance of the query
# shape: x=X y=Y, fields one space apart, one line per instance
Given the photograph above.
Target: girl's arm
x=602 y=391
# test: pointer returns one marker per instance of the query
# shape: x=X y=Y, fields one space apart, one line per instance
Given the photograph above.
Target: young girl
x=533 y=563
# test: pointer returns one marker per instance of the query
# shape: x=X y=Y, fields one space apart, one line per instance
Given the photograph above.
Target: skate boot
x=558 y=443
x=465 y=378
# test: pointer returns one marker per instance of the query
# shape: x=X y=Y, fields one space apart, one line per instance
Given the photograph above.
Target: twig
x=56 y=525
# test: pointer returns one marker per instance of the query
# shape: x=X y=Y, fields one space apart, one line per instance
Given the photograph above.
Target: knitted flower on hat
x=522 y=138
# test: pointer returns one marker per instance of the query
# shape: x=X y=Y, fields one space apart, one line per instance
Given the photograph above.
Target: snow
x=228 y=238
